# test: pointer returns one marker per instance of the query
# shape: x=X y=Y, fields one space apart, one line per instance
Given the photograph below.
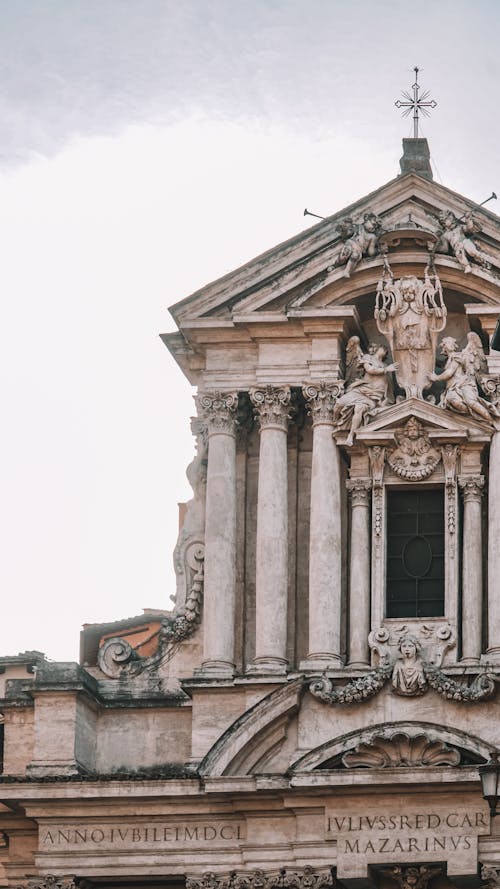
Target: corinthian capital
x=320 y=401
x=272 y=406
x=359 y=489
x=471 y=487
x=218 y=410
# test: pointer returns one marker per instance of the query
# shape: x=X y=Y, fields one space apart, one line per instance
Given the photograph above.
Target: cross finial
x=415 y=103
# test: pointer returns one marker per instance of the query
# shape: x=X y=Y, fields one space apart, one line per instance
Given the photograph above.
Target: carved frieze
x=218 y=410
x=272 y=406
x=410 y=314
x=320 y=400
x=399 y=750
x=48 y=881
x=414 y=458
x=306 y=878
x=117 y=658
x=411 y=661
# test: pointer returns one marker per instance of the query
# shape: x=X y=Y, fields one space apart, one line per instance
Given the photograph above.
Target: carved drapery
x=307 y=878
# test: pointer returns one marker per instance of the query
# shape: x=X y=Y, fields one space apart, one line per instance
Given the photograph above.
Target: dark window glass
x=415 y=553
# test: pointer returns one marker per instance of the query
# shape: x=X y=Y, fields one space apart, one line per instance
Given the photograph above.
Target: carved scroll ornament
x=417 y=877
x=117 y=658
x=307 y=878
x=272 y=406
x=48 y=881
x=400 y=750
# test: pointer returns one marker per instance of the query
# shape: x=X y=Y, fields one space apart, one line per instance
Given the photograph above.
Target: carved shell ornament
x=401 y=750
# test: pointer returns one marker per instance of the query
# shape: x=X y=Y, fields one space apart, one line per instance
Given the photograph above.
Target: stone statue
x=411 y=313
x=193 y=526
x=360 y=239
x=366 y=394
x=353 y=355
x=456 y=237
x=408 y=677
x=462 y=393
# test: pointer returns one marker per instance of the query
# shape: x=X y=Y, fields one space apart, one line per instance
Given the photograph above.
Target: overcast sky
x=148 y=147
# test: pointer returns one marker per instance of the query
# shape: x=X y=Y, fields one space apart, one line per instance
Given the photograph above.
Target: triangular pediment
x=297 y=277
x=441 y=424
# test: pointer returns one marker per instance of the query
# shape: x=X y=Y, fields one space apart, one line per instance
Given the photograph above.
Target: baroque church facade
x=318 y=707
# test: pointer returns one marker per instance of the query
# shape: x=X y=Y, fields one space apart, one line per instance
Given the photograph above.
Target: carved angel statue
x=353 y=356
x=360 y=239
x=456 y=236
x=366 y=394
x=411 y=314
x=462 y=393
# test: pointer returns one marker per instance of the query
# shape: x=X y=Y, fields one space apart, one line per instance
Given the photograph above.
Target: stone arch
x=452 y=737
x=255 y=736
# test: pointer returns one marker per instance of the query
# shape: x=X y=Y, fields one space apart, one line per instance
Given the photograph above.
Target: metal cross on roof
x=415 y=103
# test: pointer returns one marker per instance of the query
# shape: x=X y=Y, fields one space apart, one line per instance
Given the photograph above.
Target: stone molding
x=307 y=878
x=359 y=491
x=272 y=406
x=472 y=487
x=320 y=401
x=218 y=410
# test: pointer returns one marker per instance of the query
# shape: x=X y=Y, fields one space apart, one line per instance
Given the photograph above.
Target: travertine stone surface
x=272 y=408
x=219 y=411
x=325 y=548
x=359 y=571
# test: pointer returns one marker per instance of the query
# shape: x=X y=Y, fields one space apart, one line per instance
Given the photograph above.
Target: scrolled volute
x=117 y=658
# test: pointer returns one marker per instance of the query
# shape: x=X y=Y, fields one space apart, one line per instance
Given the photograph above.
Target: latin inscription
x=149 y=835
x=449 y=835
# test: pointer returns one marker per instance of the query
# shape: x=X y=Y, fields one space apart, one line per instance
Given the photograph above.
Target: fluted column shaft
x=494 y=549
x=219 y=412
x=325 y=541
x=472 y=568
x=359 y=572
x=272 y=409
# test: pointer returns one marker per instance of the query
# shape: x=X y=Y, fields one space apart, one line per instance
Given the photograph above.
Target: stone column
x=472 y=568
x=273 y=410
x=325 y=543
x=359 y=572
x=493 y=649
x=219 y=412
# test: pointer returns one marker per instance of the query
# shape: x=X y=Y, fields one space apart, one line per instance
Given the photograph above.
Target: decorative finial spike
x=415 y=103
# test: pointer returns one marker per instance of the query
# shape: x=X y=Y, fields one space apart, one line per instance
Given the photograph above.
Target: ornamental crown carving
x=414 y=458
